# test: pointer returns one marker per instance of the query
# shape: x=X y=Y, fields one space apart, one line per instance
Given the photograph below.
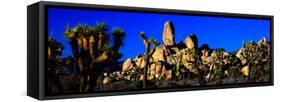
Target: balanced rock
x=168 y=34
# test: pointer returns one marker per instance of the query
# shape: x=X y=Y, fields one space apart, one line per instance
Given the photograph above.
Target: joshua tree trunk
x=74 y=47
x=91 y=46
x=146 y=66
x=210 y=72
x=250 y=70
x=147 y=55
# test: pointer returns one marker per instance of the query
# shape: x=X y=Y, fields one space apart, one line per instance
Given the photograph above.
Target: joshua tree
x=256 y=58
x=54 y=49
x=118 y=37
x=70 y=35
x=54 y=59
x=218 y=61
x=92 y=51
x=234 y=66
x=148 y=54
x=180 y=70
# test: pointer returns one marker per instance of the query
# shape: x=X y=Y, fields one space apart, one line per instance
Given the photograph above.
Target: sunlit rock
x=168 y=34
x=245 y=70
x=127 y=65
x=139 y=61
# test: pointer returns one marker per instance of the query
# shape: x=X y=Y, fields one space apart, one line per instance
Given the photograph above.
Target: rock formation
x=127 y=65
x=164 y=65
x=168 y=34
x=182 y=62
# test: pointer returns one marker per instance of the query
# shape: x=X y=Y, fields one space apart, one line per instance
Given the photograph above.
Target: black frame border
x=43 y=27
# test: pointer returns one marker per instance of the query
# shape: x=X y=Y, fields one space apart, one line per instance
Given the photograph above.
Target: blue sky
x=217 y=32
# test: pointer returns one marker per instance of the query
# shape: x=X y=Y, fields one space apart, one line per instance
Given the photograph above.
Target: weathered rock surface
x=139 y=61
x=245 y=70
x=168 y=34
x=127 y=65
x=189 y=43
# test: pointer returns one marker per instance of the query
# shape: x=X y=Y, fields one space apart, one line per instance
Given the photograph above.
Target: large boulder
x=139 y=61
x=127 y=65
x=168 y=34
x=158 y=54
x=162 y=58
x=191 y=41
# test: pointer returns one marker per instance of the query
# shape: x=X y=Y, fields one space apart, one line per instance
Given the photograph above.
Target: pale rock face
x=128 y=77
x=161 y=55
x=239 y=53
x=240 y=56
x=225 y=58
x=158 y=55
x=139 y=61
x=141 y=77
x=151 y=73
x=168 y=34
x=189 y=43
x=158 y=70
x=107 y=79
x=204 y=57
x=263 y=42
x=245 y=70
x=170 y=55
x=127 y=65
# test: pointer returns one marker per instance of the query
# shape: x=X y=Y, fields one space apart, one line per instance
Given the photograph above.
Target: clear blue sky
x=217 y=32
